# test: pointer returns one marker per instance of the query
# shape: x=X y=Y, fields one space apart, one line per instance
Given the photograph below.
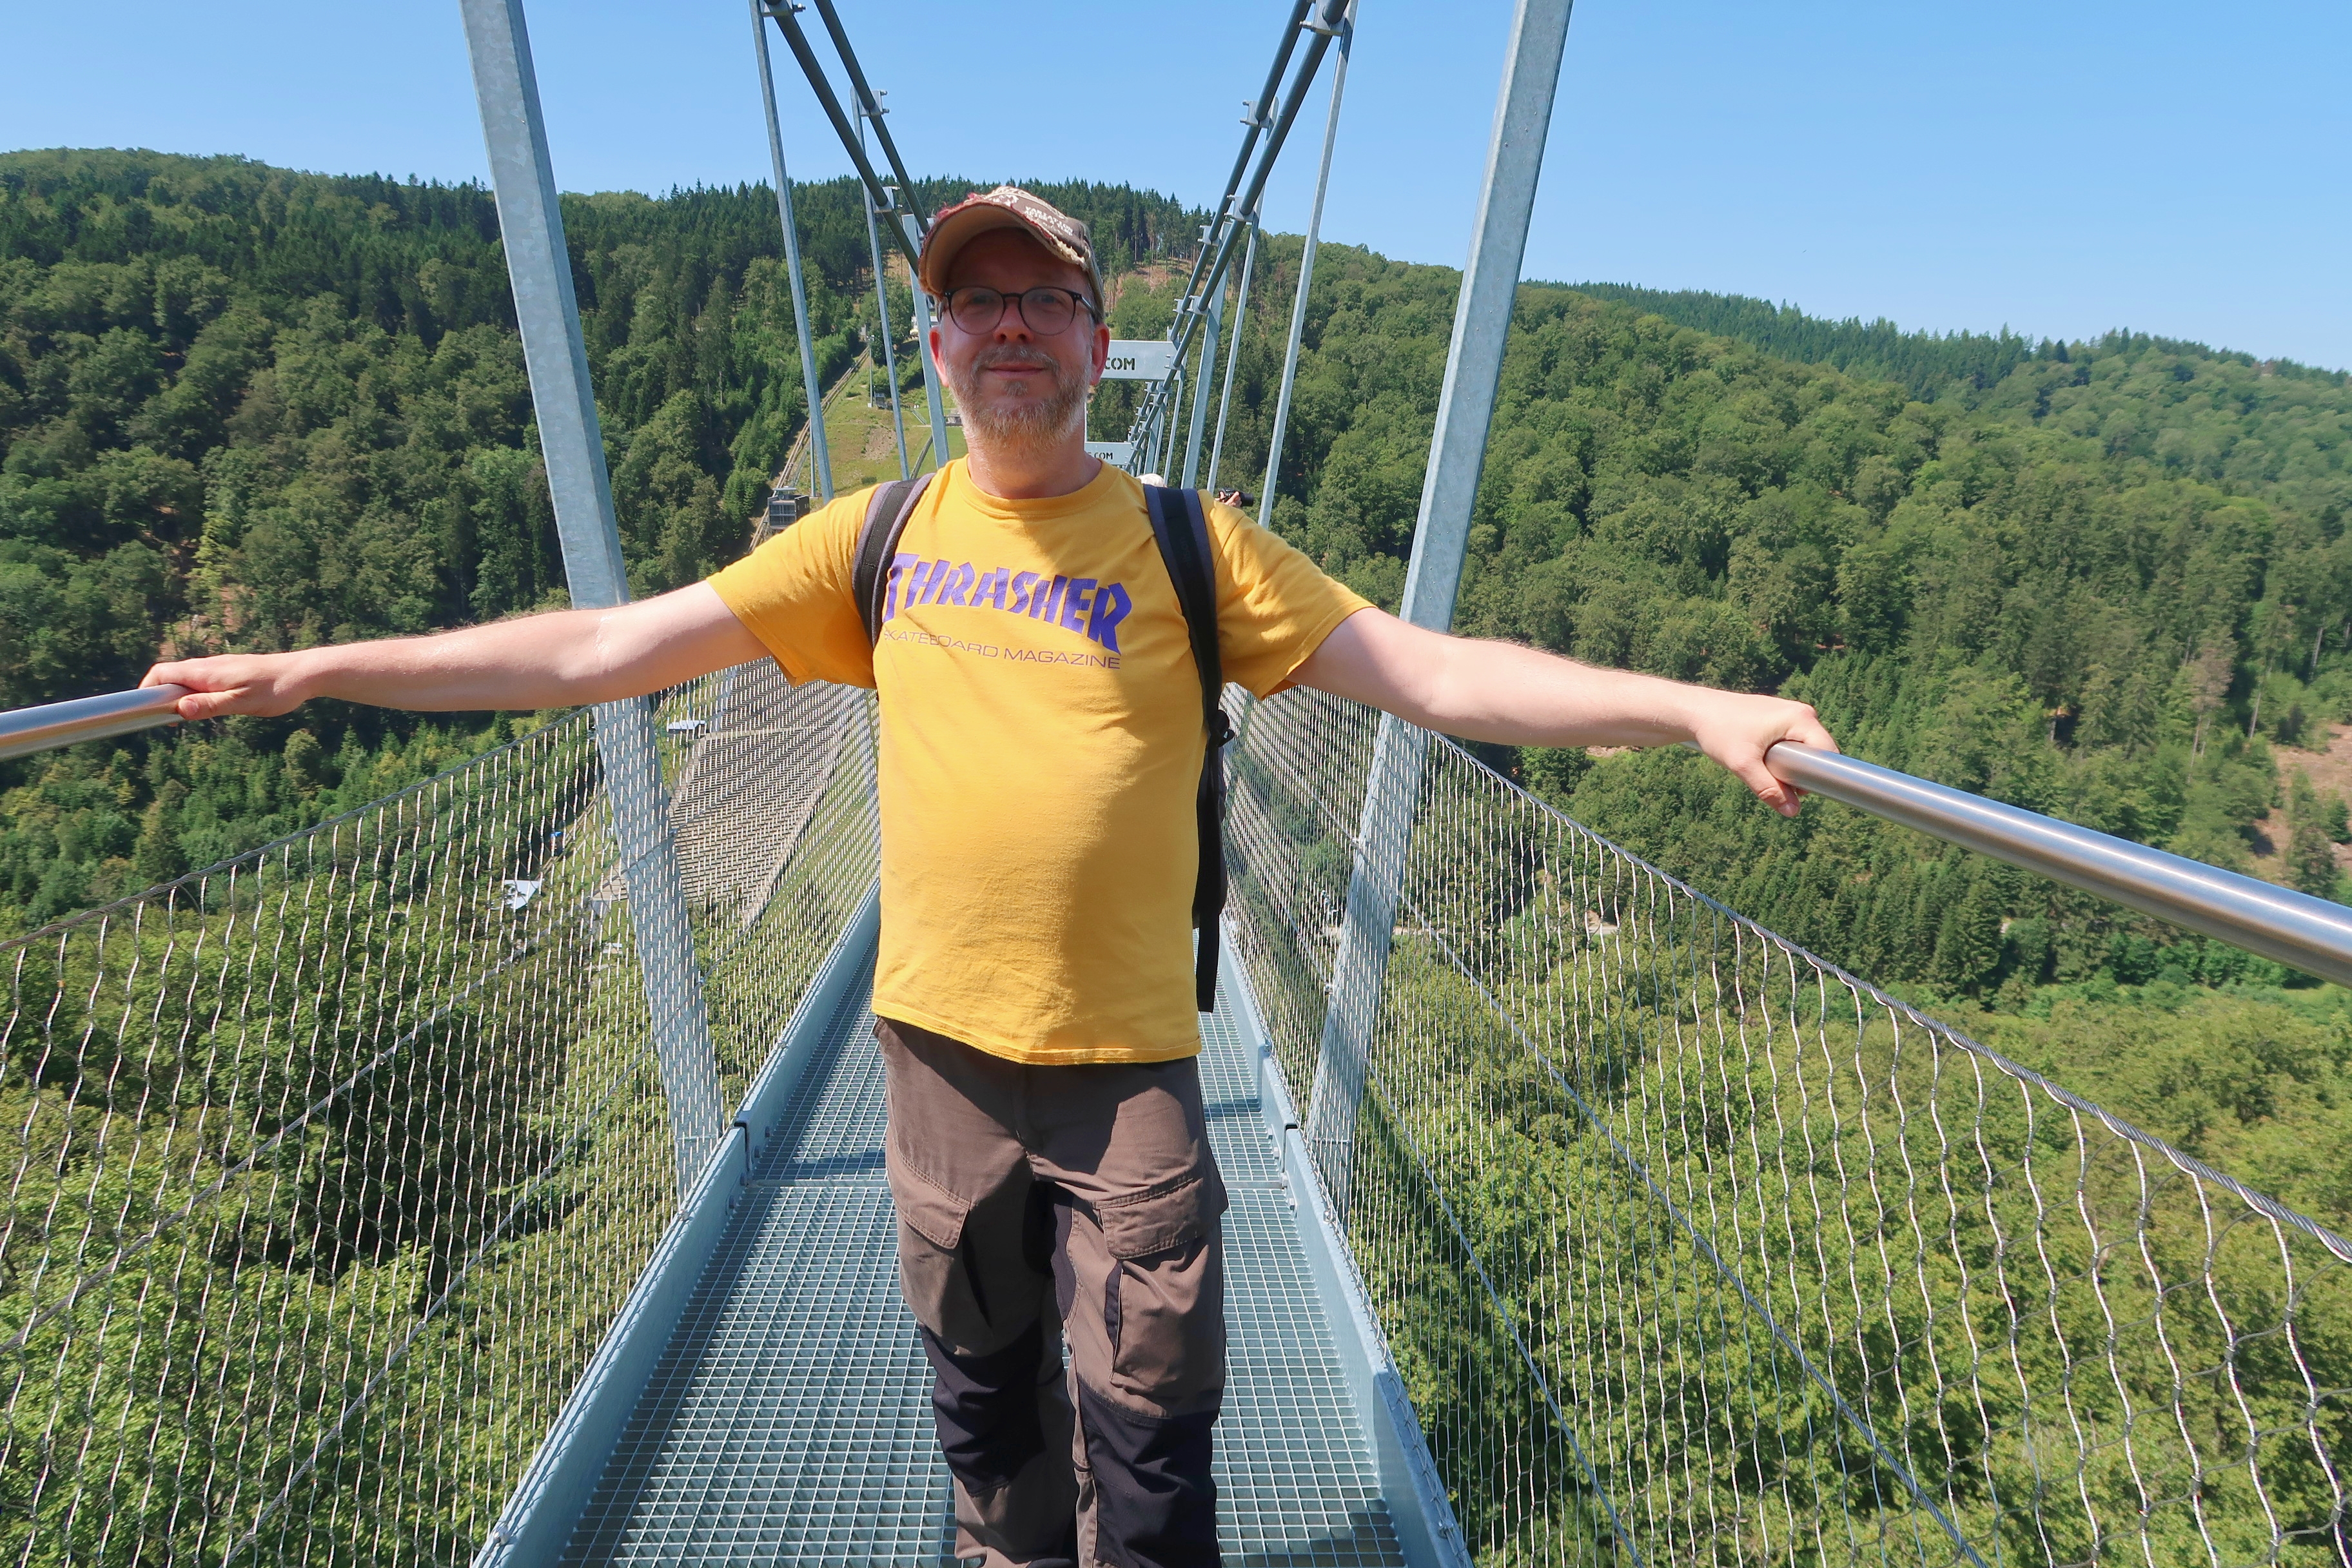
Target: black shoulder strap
x=1182 y=528
x=877 y=542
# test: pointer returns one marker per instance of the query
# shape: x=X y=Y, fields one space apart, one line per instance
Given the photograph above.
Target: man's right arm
x=559 y=660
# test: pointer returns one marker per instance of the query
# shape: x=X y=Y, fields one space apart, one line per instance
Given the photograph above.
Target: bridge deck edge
x=547 y=1504
x=1415 y=1494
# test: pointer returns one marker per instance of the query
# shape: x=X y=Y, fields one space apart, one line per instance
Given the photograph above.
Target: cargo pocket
x=1164 y=1302
x=930 y=1253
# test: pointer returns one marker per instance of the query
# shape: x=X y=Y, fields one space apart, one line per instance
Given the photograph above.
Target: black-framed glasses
x=1046 y=310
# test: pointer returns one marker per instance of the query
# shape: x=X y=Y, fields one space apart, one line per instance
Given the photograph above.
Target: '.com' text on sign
x=1140 y=359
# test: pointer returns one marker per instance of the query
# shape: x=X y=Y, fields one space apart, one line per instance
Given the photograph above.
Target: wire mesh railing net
x=333 y=1160
x=1691 y=1247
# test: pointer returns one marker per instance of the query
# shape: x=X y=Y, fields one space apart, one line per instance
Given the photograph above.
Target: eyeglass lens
x=978 y=309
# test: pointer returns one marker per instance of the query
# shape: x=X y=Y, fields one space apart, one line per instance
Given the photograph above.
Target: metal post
x=1473 y=366
x=923 y=343
x=531 y=225
x=1144 y=429
x=1305 y=276
x=1232 y=353
x=1482 y=319
x=820 y=451
x=1203 y=385
x=1180 y=387
x=1165 y=419
x=882 y=318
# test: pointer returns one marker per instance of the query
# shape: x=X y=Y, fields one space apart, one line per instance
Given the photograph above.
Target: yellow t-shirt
x=1041 y=746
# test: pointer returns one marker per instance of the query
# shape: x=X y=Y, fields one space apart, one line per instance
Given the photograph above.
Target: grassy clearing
x=859 y=435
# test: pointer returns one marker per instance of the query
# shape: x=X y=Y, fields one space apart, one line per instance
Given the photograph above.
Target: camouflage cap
x=1007 y=206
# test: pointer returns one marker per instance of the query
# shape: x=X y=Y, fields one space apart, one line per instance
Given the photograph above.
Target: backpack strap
x=1181 y=529
x=877 y=542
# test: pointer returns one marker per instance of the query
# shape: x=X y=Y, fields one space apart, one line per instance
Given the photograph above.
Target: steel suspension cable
x=1327 y=26
x=1234 y=349
x=1219 y=251
x=820 y=452
x=1157 y=434
x=883 y=201
x=1204 y=383
x=882 y=321
x=1306 y=277
x=869 y=102
x=921 y=300
x=780 y=13
x=1256 y=123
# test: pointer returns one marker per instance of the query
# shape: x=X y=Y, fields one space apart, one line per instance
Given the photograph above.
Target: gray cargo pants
x=1041 y=1203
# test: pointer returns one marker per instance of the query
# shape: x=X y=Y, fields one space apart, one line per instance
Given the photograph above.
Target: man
x=1040 y=741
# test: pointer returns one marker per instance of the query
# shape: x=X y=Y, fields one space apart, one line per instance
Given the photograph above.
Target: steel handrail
x=2291 y=928
x=54 y=724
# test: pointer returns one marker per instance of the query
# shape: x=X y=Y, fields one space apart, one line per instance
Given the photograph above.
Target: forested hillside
x=250 y=408
x=2102 y=584
x=242 y=407
x=245 y=409
x=1928 y=365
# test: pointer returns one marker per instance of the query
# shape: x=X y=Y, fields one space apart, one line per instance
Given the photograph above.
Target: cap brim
x=968 y=222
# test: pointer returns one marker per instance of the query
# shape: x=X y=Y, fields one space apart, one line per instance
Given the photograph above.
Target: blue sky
x=2057 y=168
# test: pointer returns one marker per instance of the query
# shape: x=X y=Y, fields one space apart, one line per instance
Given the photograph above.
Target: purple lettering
x=992 y=589
x=958 y=584
x=919 y=580
x=1052 y=599
x=1022 y=583
x=1112 y=605
x=900 y=566
x=1074 y=603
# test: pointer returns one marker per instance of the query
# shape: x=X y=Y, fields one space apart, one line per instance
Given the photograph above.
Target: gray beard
x=1030 y=426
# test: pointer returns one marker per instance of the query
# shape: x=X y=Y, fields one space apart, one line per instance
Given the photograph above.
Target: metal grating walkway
x=788 y=1420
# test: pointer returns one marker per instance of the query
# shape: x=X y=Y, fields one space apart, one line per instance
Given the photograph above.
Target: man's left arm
x=1518 y=696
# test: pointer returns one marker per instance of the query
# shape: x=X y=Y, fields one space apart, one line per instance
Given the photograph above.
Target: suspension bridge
x=493 y=1174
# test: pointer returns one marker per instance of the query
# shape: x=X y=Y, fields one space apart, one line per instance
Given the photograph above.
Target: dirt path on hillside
x=2331 y=773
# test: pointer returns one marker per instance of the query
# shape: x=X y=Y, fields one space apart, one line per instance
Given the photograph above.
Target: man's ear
x=1101 y=353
